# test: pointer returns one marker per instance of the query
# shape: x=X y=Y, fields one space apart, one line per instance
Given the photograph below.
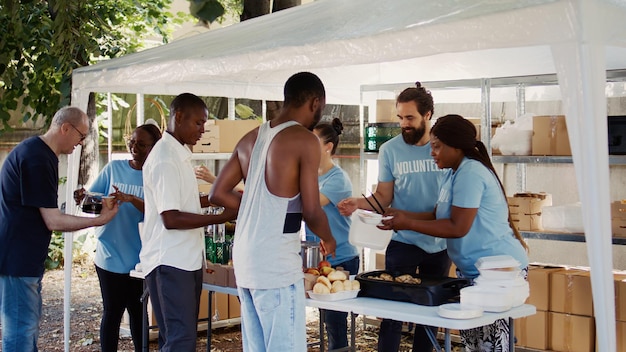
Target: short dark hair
x=186 y=101
x=422 y=98
x=152 y=130
x=301 y=87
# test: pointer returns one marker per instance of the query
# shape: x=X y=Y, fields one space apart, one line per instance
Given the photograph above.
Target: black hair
x=422 y=98
x=329 y=132
x=152 y=130
x=185 y=101
x=301 y=87
x=458 y=132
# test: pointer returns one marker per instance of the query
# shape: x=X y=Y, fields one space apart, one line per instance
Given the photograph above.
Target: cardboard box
x=618 y=209
x=529 y=203
x=234 y=307
x=571 y=333
x=621 y=336
x=232 y=281
x=385 y=111
x=380 y=261
x=215 y=274
x=231 y=131
x=206 y=145
x=550 y=136
x=220 y=307
x=539 y=282
x=620 y=297
x=570 y=292
x=618 y=227
x=533 y=331
x=527 y=222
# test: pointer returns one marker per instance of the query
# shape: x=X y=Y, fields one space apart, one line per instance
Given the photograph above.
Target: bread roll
x=324 y=280
x=337 y=287
x=355 y=285
x=320 y=288
x=337 y=276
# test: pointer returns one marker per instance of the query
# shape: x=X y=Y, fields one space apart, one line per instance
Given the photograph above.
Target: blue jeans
x=405 y=258
x=273 y=319
x=20 y=307
x=336 y=324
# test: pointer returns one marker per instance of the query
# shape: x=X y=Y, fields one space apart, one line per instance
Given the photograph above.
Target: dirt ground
x=86 y=313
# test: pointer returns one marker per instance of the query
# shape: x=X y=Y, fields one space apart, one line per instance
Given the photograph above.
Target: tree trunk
x=284 y=4
x=89 y=161
x=254 y=8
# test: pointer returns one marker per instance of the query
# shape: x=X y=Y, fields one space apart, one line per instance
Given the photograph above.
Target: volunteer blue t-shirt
x=119 y=243
x=336 y=185
x=474 y=186
x=29 y=180
x=416 y=180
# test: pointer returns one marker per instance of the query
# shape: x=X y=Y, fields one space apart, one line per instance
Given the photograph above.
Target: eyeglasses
x=133 y=143
x=82 y=136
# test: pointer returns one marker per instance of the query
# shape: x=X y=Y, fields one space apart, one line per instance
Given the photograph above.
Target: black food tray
x=432 y=291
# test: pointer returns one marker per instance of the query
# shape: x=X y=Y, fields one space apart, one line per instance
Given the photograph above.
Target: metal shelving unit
x=485 y=85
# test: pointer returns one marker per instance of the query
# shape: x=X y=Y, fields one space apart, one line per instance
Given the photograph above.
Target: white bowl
x=369 y=217
x=490 y=299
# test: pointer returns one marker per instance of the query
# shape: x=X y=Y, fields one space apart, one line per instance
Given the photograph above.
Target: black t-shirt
x=28 y=181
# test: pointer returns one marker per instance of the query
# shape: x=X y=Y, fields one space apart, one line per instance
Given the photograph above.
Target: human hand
x=202 y=173
x=328 y=247
x=79 y=194
x=121 y=196
x=347 y=206
x=107 y=214
x=393 y=219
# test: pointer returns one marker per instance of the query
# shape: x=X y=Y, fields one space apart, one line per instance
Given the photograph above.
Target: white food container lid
x=496 y=262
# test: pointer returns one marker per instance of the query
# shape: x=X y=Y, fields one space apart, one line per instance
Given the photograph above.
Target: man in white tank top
x=278 y=162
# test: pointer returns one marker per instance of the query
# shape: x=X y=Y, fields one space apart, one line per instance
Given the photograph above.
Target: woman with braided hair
x=471 y=213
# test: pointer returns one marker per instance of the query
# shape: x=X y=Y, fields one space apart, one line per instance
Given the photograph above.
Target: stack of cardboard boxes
x=550 y=136
x=565 y=318
x=526 y=208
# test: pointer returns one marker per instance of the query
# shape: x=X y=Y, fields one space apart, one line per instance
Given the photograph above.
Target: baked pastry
x=337 y=287
x=320 y=288
x=324 y=280
x=354 y=285
x=386 y=277
x=337 y=275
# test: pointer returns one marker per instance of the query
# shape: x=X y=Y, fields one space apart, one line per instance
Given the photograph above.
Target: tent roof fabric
x=351 y=43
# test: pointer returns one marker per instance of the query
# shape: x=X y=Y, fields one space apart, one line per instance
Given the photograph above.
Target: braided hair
x=460 y=133
x=329 y=132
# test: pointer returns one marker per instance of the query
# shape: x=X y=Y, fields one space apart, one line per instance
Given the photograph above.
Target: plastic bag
x=514 y=138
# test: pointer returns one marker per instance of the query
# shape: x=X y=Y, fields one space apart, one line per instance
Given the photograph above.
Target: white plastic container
x=498 y=267
x=518 y=288
x=365 y=235
x=490 y=299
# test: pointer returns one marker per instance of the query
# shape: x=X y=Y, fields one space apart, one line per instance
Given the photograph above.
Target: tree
x=43 y=41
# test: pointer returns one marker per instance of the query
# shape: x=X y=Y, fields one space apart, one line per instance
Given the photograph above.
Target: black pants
x=119 y=292
x=175 y=297
x=406 y=258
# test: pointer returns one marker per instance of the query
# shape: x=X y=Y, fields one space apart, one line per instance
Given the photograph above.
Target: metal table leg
x=209 y=321
x=322 y=320
x=447 y=343
x=511 y=334
x=433 y=338
x=144 y=324
x=352 y=331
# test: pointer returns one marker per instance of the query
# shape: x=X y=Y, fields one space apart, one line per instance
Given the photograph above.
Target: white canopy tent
x=350 y=43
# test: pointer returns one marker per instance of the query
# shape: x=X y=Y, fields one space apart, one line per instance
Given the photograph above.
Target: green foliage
x=43 y=41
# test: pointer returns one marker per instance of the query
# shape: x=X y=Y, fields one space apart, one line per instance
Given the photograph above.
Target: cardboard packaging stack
x=526 y=208
x=221 y=136
x=618 y=218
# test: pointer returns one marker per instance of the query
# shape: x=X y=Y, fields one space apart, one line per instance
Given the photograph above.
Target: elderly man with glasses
x=29 y=213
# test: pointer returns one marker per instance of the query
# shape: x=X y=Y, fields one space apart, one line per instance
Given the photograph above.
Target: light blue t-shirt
x=416 y=180
x=336 y=185
x=475 y=186
x=119 y=244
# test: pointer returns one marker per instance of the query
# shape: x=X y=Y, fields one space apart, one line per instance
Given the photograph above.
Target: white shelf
x=210 y=156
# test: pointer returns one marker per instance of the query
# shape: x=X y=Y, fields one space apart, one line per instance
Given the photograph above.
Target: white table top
x=410 y=312
x=220 y=289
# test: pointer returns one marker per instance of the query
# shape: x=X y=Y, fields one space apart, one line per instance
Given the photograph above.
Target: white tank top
x=265 y=256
